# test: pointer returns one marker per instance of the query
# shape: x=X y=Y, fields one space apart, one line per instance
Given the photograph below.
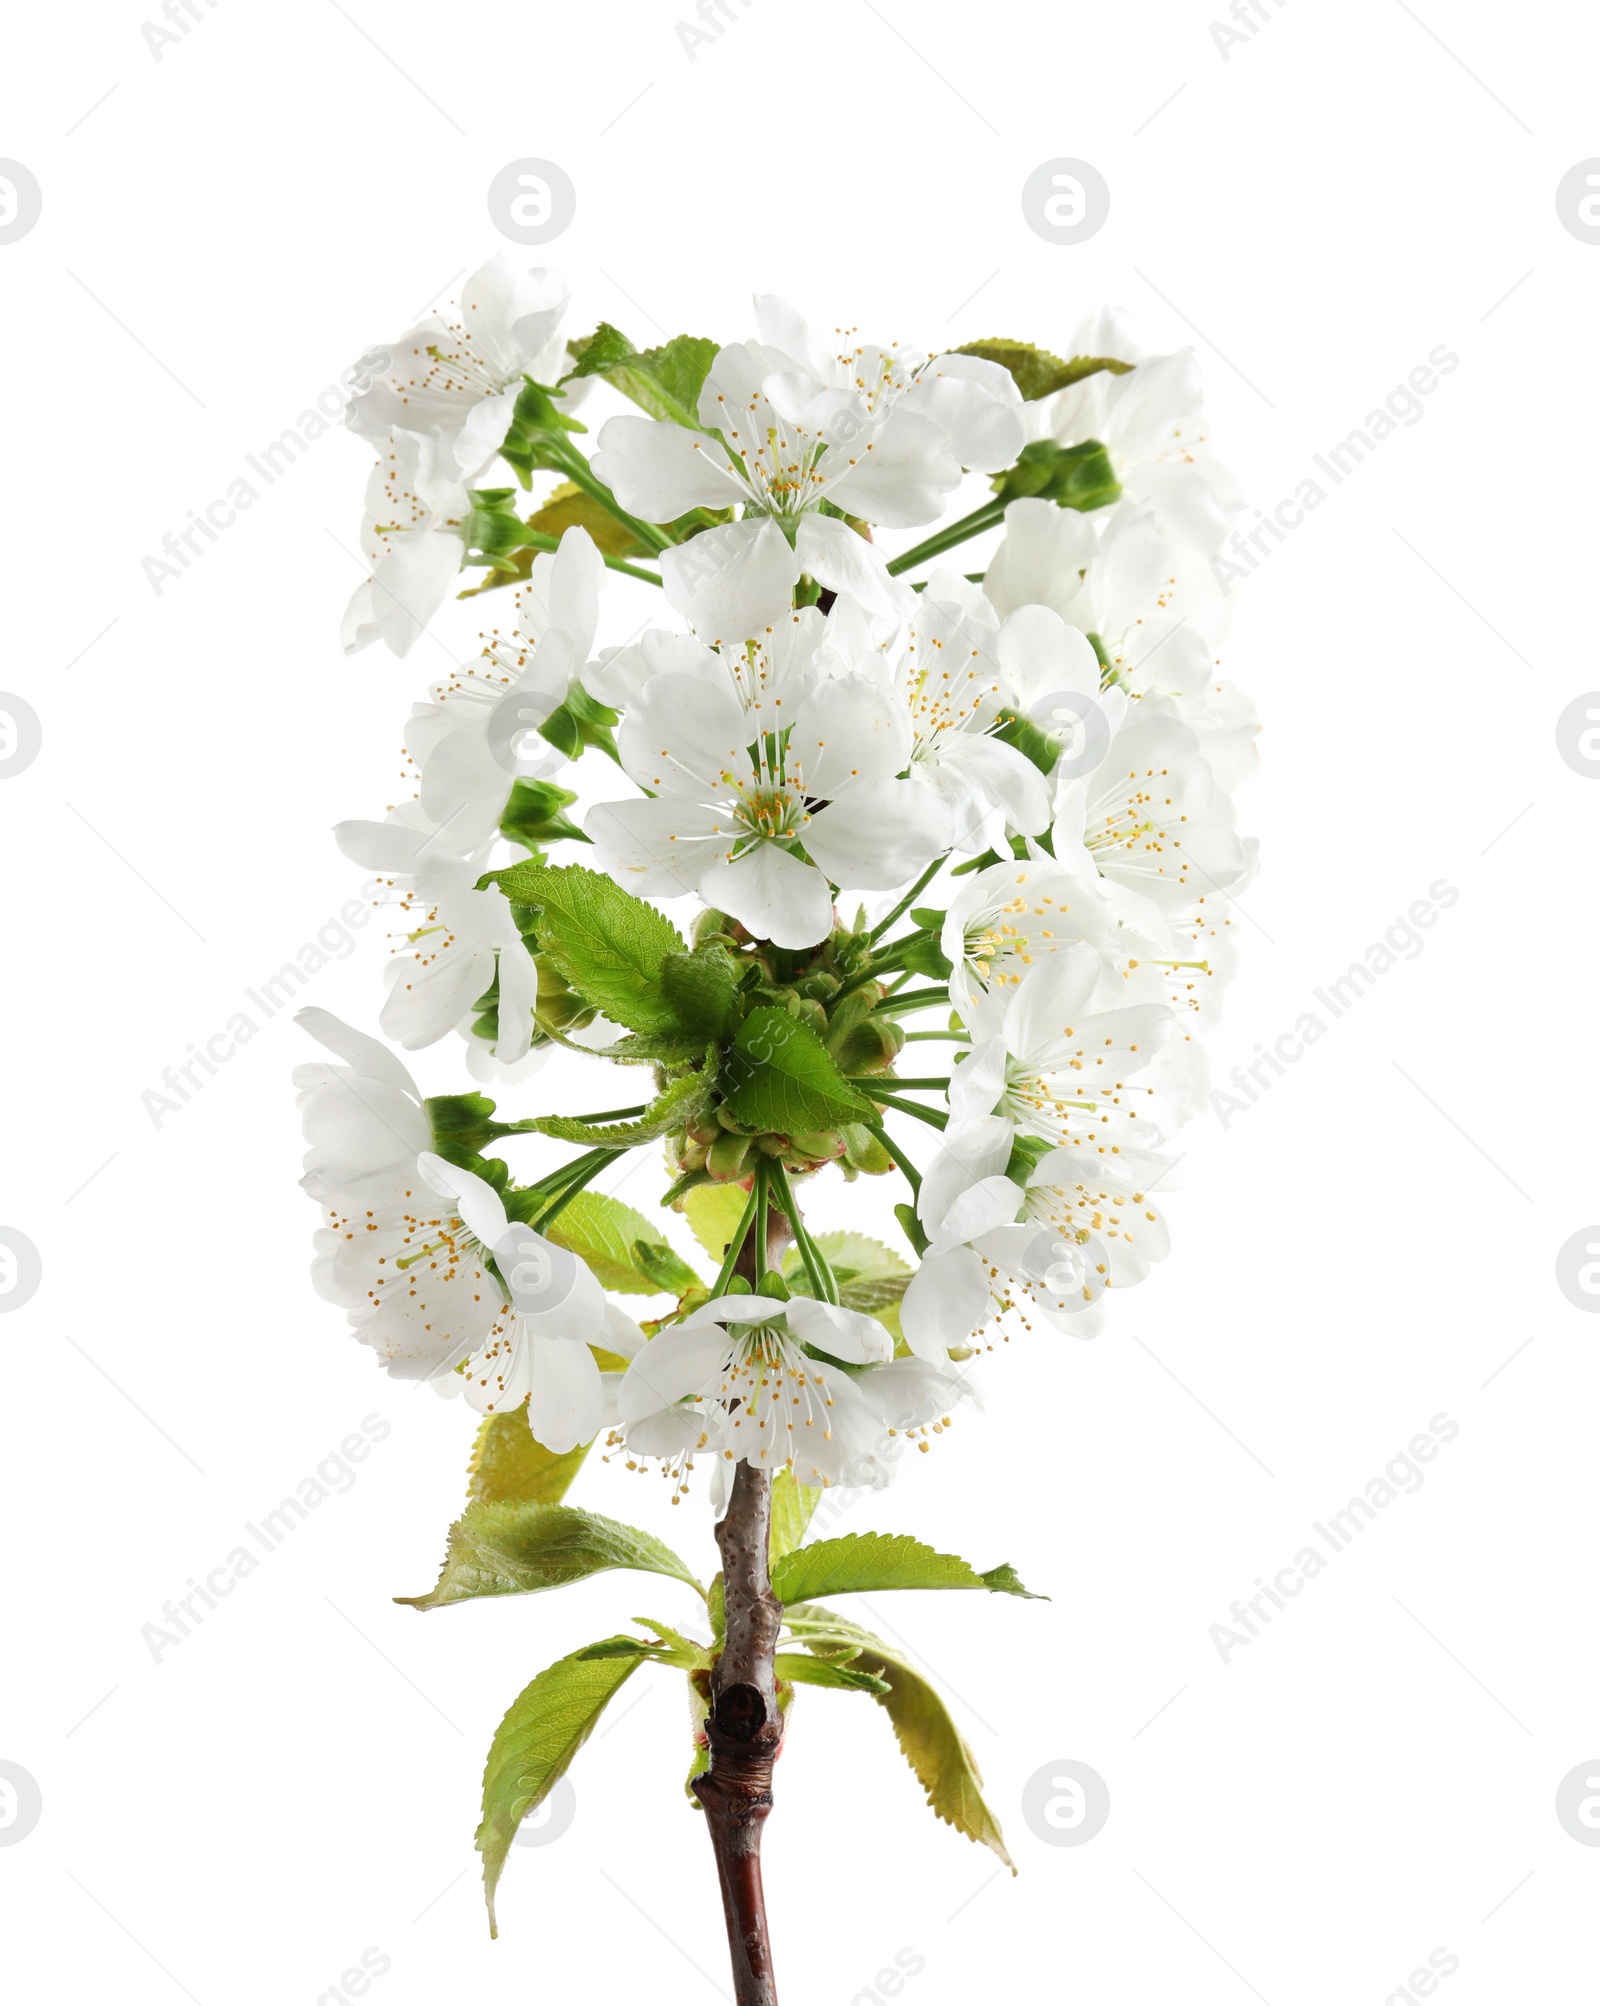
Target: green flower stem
x=874 y=1080
x=536 y=539
x=911 y=1108
x=884 y=965
x=985 y=517
x=909 y=900
x=951 y=1037
x=916 y=999
x=576 y=468
x=572 y=1189
x=823 y=1279
x=554 y=1179
x=741 y=1232
x=912 y=1174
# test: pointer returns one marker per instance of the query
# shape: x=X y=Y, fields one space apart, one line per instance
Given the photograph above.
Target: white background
x=1373 y=1777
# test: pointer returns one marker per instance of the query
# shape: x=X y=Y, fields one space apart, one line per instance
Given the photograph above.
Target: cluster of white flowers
x=810 y=724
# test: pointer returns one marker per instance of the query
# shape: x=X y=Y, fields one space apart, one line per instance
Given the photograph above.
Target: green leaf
x=1038 y=373
x=522 y=1549
x=605 y=1232
x=1080 y=477
x=803 y=1671
x=714 y=1212
x=608 y=944
x=780 y=1078
x=943 y=1763
x=509 y=1467
x=701 y=987
x=569 y=507
x=548 y=1722
x=667 y=1051
x=596 y=353
x=666 y=382
x=533 y=815
x=870 y=1562
x=683 y=1100
x=792 y=1506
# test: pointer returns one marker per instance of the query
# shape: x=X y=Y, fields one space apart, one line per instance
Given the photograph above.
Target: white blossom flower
x=1152 y=818
x=1151 y=423
x=539 y=1351
x=454 y=380
x=459 y=942
x=414 y=535
x=750 y=1378
x=406 y=1271
x=1084 y=1221
x=1007 y=919
x=1056 y=1062
x=877 y=433
x=731 y=803
x=466 y=742
x=1111 y=574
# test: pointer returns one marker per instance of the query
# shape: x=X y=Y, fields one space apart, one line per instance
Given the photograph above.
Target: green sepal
x=493 y=530
x=1080 y=477
x=543 y=1729
x=533 y=815
x=538 y=434
x=911 y=1226
x=1036 y=746
x=671 y=1274
x=462 y=1127
x=572 y=727
x=1027 y=1153
x=924 y=956
x=525 y=1549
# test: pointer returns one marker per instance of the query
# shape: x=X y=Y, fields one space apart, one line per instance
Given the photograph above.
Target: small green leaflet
x=941 y=1760
x=666 y=382
x=713 y=1212
x=682 y=1101
x=608 y=944
x=509 y=1467
x=604 y=1232
x=1038 y=373
x=869 y=1562
x=792 y=1506
x=807 y=1671
x=780 y=1078
x=569 y=507
x=548 y=1722
x=521 y=1549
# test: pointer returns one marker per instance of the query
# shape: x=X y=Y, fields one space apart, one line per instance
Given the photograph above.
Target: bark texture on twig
x=744 y=1728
